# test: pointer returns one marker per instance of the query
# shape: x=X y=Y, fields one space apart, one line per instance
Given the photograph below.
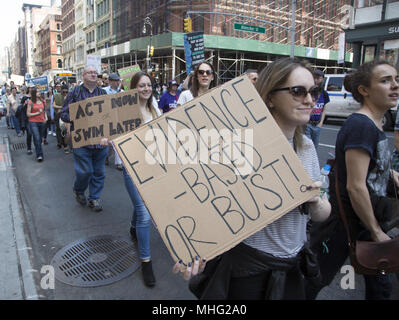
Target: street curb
x=25 y=269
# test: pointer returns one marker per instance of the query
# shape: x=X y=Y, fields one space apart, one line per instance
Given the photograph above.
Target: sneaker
x=54 y=134
x=119 y=167
x=50 y=132
x=66 y=150
x=95 y=205
x=19 y=135
x=29 y=152
x=148 y=274
x=39 y=159
x=80 y=198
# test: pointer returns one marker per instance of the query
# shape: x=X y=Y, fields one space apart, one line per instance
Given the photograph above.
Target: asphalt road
x=53 y=220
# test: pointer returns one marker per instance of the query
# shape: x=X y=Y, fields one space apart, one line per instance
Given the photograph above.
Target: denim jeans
x=89 y=170
x=140 y=219
x=37 y=128
x=15 y=124
x=28 y=138
x=313 y=133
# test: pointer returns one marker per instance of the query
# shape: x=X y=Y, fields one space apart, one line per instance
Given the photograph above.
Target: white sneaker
x=50 y=132
x=54 y=134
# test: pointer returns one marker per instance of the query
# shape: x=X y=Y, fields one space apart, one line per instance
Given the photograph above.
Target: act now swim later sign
x=105 y=116
x=214 y=171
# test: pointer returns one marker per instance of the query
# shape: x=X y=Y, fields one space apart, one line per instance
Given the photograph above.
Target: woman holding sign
x=274 y=262
x=36 y=113
x=141 y=219
x=203 y=80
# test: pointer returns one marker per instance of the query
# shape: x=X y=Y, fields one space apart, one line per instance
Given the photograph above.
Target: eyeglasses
x=202 y=72
x=91 y=72
x=301 y=92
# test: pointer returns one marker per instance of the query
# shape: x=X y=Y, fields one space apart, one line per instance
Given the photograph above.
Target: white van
x=342 y=103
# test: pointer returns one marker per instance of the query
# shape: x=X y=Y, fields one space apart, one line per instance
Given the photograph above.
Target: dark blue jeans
x=140 y=219
x=89 y=170
x=37 y=129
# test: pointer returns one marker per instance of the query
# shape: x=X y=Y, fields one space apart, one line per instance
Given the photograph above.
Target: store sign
x=393 y=30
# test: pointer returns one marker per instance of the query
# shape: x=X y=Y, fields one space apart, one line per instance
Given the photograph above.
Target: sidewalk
x=16 y=279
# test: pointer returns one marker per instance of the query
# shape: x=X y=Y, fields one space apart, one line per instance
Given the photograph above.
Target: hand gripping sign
x=214 y=171
x=105 y=116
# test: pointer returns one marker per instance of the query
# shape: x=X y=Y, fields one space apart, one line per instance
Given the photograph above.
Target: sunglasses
x=301 y=92
x=202 y=72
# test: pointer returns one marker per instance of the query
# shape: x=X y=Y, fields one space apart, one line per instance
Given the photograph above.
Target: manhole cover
x=96 y=261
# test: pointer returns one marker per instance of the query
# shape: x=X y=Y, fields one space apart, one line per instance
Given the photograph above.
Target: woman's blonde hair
x=273 y=77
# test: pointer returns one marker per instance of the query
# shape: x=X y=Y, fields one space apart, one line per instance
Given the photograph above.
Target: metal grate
x=96 y=261
x=19 y=146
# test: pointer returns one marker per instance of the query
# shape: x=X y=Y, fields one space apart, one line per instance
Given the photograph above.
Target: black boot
x=148 y=275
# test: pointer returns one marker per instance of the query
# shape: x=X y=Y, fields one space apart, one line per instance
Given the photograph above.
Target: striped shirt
x=285 y=237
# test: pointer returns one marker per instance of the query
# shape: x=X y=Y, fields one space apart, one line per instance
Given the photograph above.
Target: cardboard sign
x=106 y=116
x=127 y=74
x=214 y=171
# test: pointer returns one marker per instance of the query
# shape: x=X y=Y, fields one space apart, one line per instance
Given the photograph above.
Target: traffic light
x=188 y=25
x=151 y=51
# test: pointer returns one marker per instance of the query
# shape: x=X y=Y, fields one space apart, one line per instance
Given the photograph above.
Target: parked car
x=342 y=103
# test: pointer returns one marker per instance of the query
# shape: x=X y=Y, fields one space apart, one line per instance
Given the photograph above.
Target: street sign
x=249 y=28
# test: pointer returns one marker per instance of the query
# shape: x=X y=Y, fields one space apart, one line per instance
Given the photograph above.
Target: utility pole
x=293 y=8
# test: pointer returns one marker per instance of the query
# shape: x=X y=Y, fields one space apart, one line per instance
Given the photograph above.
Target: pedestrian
x=105 y=79
x=169 y=99
x=252 y=75
x=48 y=117
x=36 y=112
x=267 y=264
x=58 y=103
x=141 y=219
x=114 y=87
x=202 y=80
x=313 y=128
x=25 y=119
x=362 y=168
x=50 y=99
x=89 y=161
x=14 y=100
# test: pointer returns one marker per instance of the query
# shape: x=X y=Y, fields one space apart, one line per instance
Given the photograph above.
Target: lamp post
x=148 y=21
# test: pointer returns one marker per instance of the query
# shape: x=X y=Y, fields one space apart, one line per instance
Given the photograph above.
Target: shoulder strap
x=341 y=207
x=75 y=94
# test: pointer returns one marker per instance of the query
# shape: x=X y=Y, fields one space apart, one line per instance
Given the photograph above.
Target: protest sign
x=193 y=49
x=105 y=116
x=127 y=74
x=214 y=171
x=41 y=83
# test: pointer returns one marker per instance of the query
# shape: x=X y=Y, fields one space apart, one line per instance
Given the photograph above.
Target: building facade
x=317 y=29
x=33 y=17
x=50 y=43
x=68 y=33
x=374 y=31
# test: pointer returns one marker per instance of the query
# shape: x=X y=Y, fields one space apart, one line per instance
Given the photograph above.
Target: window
x=59 y=49
x=59 y=64
x=58 y=37
x=335 y=83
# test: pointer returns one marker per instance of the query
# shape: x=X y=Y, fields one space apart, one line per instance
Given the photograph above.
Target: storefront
x=375 y=33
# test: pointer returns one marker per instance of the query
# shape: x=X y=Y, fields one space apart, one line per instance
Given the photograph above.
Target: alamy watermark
x=208 y=146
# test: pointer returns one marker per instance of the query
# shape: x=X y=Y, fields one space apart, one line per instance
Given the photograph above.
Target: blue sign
x=193 y=50
x=41 y=83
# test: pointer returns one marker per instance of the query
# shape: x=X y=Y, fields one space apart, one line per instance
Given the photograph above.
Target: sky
x=10 y=14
